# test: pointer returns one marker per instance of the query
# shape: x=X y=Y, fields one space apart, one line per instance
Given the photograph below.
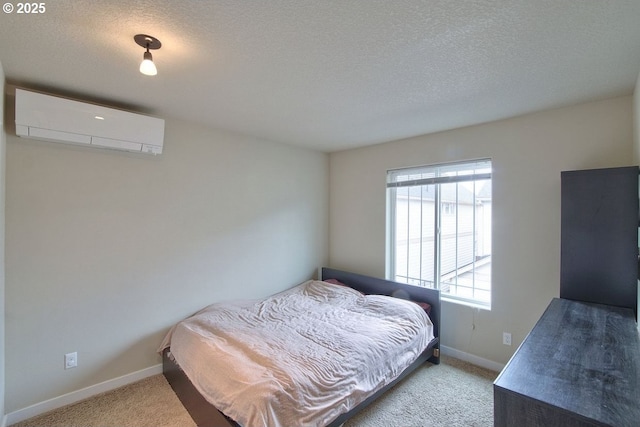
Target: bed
x=327 y=376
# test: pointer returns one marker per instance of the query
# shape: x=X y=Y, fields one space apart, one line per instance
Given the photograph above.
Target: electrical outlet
x=71 y=360
x=506 y=338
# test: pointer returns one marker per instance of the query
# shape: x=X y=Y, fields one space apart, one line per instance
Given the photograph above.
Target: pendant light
x=147 y=67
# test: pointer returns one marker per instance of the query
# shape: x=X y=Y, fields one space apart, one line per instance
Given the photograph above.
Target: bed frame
x=206 y=415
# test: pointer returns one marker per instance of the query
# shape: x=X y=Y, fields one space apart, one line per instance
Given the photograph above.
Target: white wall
x=528 y=153
x=2 y=233
x=106 y=250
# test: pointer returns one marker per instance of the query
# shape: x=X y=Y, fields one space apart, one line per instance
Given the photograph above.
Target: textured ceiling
x=331 y=74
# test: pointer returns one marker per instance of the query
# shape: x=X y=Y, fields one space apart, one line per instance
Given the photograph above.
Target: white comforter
x=301 y=357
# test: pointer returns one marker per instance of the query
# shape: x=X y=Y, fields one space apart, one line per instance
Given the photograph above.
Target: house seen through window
x=439 y=229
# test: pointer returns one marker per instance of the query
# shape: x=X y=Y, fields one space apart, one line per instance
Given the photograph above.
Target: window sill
x=471 y=304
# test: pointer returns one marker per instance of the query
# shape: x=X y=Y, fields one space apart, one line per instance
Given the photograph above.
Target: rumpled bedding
x=301 y=357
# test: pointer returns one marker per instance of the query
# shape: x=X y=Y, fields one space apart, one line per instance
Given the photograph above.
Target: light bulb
x=147 y=67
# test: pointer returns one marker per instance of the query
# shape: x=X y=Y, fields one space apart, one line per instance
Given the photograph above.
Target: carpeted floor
x=454 y=393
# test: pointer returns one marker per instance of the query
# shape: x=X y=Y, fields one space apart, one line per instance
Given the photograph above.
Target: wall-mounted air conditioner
x=51 y=118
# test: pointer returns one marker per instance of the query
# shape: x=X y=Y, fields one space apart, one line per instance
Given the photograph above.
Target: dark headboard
x=376 y=286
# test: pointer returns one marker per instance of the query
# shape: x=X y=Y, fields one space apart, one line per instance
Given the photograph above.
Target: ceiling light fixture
x=147 y=66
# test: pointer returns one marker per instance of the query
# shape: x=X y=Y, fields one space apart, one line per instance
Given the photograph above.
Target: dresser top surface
x=581 y=357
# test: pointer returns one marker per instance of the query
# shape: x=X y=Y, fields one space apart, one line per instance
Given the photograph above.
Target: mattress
x=301 y=357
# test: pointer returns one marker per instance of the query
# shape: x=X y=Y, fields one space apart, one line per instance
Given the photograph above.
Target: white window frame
x=414 y=177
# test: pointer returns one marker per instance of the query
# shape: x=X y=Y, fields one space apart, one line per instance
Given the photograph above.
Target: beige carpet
x=453 y=393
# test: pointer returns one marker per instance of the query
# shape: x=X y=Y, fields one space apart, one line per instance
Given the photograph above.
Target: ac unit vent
x=51 y=118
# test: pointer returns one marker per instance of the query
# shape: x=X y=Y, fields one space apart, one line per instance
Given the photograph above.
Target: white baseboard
x=4 y=421
x=78 y=395
x=471 y=358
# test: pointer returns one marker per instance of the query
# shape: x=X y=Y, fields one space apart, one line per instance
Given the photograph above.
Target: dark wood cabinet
x=579 y=366
x=599 y=236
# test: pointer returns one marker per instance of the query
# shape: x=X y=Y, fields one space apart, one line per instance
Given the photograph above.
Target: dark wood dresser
x=579 y=366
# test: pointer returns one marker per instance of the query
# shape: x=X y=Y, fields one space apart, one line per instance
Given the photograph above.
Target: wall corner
x=3 y=418
x=636 y=122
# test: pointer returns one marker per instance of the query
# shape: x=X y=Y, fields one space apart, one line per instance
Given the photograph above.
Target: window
x=448 y=208
x=439 y=229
